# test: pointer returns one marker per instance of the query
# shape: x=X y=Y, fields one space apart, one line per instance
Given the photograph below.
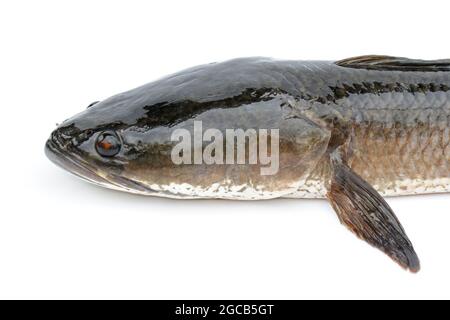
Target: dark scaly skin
x=397 y=124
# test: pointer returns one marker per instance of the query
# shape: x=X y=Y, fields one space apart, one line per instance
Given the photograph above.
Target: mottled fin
x=386 y=63
x=365 y=213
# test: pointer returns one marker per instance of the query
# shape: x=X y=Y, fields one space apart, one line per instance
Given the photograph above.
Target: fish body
x=372 y=125
x=398 y=123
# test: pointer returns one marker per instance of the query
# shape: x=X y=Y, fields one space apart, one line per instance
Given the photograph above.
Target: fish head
x=93 y=153
x=109 y=145
x=131 y=141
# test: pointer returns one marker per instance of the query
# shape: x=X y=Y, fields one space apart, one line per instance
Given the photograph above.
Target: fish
x=351 y=131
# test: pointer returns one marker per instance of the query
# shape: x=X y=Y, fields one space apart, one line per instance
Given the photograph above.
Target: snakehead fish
x=350 y=131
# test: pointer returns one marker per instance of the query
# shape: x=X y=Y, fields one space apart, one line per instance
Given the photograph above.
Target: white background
x=63 y=238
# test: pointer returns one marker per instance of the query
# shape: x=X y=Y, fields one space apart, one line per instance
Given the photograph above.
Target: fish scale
x=396 y=125
x=398 y=155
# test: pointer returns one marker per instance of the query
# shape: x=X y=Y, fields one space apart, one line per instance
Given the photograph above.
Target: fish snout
x=58 y=139
x=56 y=147
x=60 y=149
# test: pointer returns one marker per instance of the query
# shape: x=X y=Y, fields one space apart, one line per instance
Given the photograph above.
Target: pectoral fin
x=361 y=208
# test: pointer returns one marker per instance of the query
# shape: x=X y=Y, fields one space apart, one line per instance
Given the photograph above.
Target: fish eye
x=107 y=144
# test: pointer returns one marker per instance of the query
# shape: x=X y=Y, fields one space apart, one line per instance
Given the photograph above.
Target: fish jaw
x=73 y=164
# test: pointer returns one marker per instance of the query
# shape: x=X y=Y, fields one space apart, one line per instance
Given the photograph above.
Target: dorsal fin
x=387 y=63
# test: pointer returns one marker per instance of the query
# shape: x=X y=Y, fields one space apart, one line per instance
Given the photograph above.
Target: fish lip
x=73 y=164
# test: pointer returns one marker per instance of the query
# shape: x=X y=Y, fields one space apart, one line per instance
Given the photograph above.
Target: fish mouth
x=80 y=168
x=73 y=164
